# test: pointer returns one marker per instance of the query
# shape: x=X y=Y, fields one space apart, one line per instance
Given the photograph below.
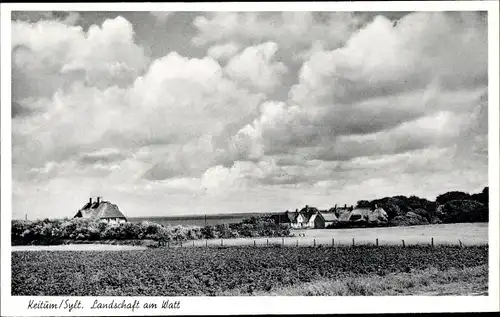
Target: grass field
x=242 y=270
x=467 y=233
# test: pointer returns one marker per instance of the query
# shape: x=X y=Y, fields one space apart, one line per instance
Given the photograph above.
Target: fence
x=314 y=242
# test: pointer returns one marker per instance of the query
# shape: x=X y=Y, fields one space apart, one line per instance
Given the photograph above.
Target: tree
x=454 y=195
x=364 y=204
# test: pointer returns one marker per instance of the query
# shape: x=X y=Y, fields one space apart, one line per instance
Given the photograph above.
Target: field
x=467 y=233
x=231 y=270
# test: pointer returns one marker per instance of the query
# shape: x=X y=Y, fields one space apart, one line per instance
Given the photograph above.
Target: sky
x=169 y=113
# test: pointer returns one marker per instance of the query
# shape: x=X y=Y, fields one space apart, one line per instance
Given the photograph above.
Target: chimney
x=98 y=200
x=90 y=200
x=296 y=210
x=345 y=206
x=307 y=207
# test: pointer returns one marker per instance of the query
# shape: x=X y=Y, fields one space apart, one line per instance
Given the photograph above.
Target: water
x=197 y=220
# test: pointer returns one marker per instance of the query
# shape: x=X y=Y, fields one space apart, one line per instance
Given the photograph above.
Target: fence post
x=460 y=242
x=283 y=241
x=267 y=242
x=376 y=242
x=221 y=242
x=432 y=242
x=333 y=242
x=314 y=240
x=403 y=242
x=297 y=242
x=352 y=241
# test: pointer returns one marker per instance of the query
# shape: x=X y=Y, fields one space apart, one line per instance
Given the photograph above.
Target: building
x=286 y=218
x=316 y=221
x=307 y=217
x=300 y=220
x=364 y=215
x=101 y=210
x=330 y=219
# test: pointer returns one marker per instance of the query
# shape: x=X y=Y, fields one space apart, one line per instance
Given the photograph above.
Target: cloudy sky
x=171 y=113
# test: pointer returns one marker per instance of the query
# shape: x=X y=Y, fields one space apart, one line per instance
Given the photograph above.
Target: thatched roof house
x=330 y=219
x=362 y=214
x=101 y=210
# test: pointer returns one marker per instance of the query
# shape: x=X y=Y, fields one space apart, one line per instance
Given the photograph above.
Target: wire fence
x=317 y=242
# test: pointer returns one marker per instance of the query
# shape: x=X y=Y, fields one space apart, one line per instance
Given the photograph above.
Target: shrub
x=463 y=211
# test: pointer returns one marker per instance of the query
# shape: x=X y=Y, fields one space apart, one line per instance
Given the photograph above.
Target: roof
x=330 y=217
x=378 y=215
x=359 y=214
x=292 y=216
x=102 y=210
x=364 y=214
x=304 y=216
x=285 y=217
x=344 y=215
x=313 y=217
x=309 y=211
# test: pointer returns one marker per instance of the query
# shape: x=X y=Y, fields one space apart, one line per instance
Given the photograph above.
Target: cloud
x=384 y=59
x=49 y=55
x=65 y=17
x=256 y=68
x=302 y=108
x=377 y=83
x=397 y=101
x=293 y=31
x=161 y=16
x=224 y=51
x=177 y=103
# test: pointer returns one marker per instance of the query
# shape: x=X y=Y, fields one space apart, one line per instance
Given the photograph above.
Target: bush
x=464 y=211
x=59 y=231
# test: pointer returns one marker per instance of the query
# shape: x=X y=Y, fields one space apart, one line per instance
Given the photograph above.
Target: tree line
x=450 y=207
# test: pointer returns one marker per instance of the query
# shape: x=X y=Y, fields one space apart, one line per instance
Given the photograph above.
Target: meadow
x=240 y=270
x=439 y=234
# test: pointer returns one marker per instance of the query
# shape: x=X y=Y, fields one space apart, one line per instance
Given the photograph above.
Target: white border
x=263 y=305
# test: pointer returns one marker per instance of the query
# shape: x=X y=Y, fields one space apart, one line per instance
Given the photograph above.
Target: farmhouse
x=330 y=219
x=316 y=221
x=311 y=217
x=286 y=218
x=307 y=217
x=365 y=215
x=300 y=220
x=101 y=210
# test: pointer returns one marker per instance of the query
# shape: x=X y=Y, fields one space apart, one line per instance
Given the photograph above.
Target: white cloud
x=179 y=103
x=390 y=103
x=255 y=67
x=382 y=59
x=294 y=31
x=224 y=51
x=50 y=55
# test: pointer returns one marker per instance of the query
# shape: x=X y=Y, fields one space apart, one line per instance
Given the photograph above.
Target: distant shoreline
x=183 y=216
